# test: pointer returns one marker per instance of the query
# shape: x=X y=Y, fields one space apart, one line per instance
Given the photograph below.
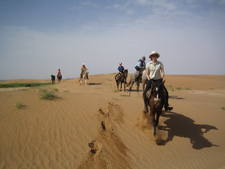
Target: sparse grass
x=170 y=87
x=57 y=90
x=20 y=106
x=223 y=108
x=188 y=88
x=11 y=85
x=115 y=90
x=66 y=91
x=47 y=94
x=124 y=95
x=179 y=88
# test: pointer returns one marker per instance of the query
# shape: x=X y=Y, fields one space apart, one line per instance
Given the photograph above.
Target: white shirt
x=154 y=70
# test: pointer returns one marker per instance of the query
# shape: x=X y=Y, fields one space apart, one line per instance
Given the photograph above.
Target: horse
x=59 y=77
x=85 y=77
x=144 y=80
x=121 y=79
x=53 y=79
x=133 y=79
x=156 y=102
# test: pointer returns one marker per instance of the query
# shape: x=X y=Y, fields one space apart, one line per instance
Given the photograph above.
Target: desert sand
x=97 y=127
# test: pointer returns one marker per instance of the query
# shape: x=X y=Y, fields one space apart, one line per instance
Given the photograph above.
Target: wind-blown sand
x=97 y=127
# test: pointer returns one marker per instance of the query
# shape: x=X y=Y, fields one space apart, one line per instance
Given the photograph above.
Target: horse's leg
x=138 y=88
x=124 y=86
x=154 y=123
x=131 y=85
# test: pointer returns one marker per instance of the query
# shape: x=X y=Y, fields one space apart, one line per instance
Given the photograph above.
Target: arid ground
x=97 y=127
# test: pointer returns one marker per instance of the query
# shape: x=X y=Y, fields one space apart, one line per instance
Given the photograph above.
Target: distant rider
x=140 y=67
x=121 y=71
x=83 y=69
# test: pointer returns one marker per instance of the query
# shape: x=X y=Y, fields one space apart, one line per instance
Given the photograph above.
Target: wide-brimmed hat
x=154 y=53
x=83 y=63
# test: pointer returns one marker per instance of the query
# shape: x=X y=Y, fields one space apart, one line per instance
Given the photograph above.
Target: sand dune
x=96 y=126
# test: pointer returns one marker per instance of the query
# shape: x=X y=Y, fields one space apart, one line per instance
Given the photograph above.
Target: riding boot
x=145 y=105
x=166 y=104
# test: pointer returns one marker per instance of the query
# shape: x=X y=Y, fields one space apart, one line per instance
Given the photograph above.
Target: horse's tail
x=128 y=84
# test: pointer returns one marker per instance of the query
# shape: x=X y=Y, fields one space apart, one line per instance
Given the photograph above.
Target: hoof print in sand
x=103 y=125
x=94 y=146
x=100 y=110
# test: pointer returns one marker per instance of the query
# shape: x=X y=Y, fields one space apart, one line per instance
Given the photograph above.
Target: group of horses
x=83 y=80
x=59 y=77
x=154 y=95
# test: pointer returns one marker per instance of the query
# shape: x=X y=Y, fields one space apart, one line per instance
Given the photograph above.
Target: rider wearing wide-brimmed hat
x=154 y=73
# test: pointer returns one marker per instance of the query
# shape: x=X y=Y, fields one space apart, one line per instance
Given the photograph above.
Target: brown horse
x=59 y=77
x=121 y=79
x=156 y=102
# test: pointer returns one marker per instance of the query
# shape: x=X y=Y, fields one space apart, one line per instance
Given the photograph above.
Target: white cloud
x=84 y=5
x=89 y=3
x=164 y=4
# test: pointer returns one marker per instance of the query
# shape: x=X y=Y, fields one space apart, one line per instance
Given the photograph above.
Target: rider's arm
x=162 y=72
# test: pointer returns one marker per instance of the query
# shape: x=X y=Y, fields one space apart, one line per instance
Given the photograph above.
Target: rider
x=140 y=67
x=121 y=70
x=155 y=73
x=83 y=69
x=59 y=72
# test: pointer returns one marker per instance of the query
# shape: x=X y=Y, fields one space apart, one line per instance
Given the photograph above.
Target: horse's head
x=125 y=72
x=157 y=92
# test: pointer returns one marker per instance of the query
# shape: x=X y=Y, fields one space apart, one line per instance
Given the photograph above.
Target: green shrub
x=20 y=106
x=11 y=85
x=47 y=94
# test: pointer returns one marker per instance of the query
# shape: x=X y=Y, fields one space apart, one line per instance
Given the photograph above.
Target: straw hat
x=154 y=53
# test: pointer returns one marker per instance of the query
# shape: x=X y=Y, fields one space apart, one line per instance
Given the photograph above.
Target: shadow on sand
x=182 y=126
x=94 y=84
x=175 y=97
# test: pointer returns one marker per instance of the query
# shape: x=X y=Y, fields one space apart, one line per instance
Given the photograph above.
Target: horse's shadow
x=94 y=84
x=182 y=126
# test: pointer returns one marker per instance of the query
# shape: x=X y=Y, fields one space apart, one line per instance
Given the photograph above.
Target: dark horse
x=156 y=102
x=121 y=79
x=53 y=78
x=59 y=77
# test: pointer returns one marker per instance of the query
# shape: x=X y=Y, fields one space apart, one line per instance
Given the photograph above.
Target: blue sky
x=38 y=37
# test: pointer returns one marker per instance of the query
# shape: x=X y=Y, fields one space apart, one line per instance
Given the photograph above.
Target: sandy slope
x=95 y=126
